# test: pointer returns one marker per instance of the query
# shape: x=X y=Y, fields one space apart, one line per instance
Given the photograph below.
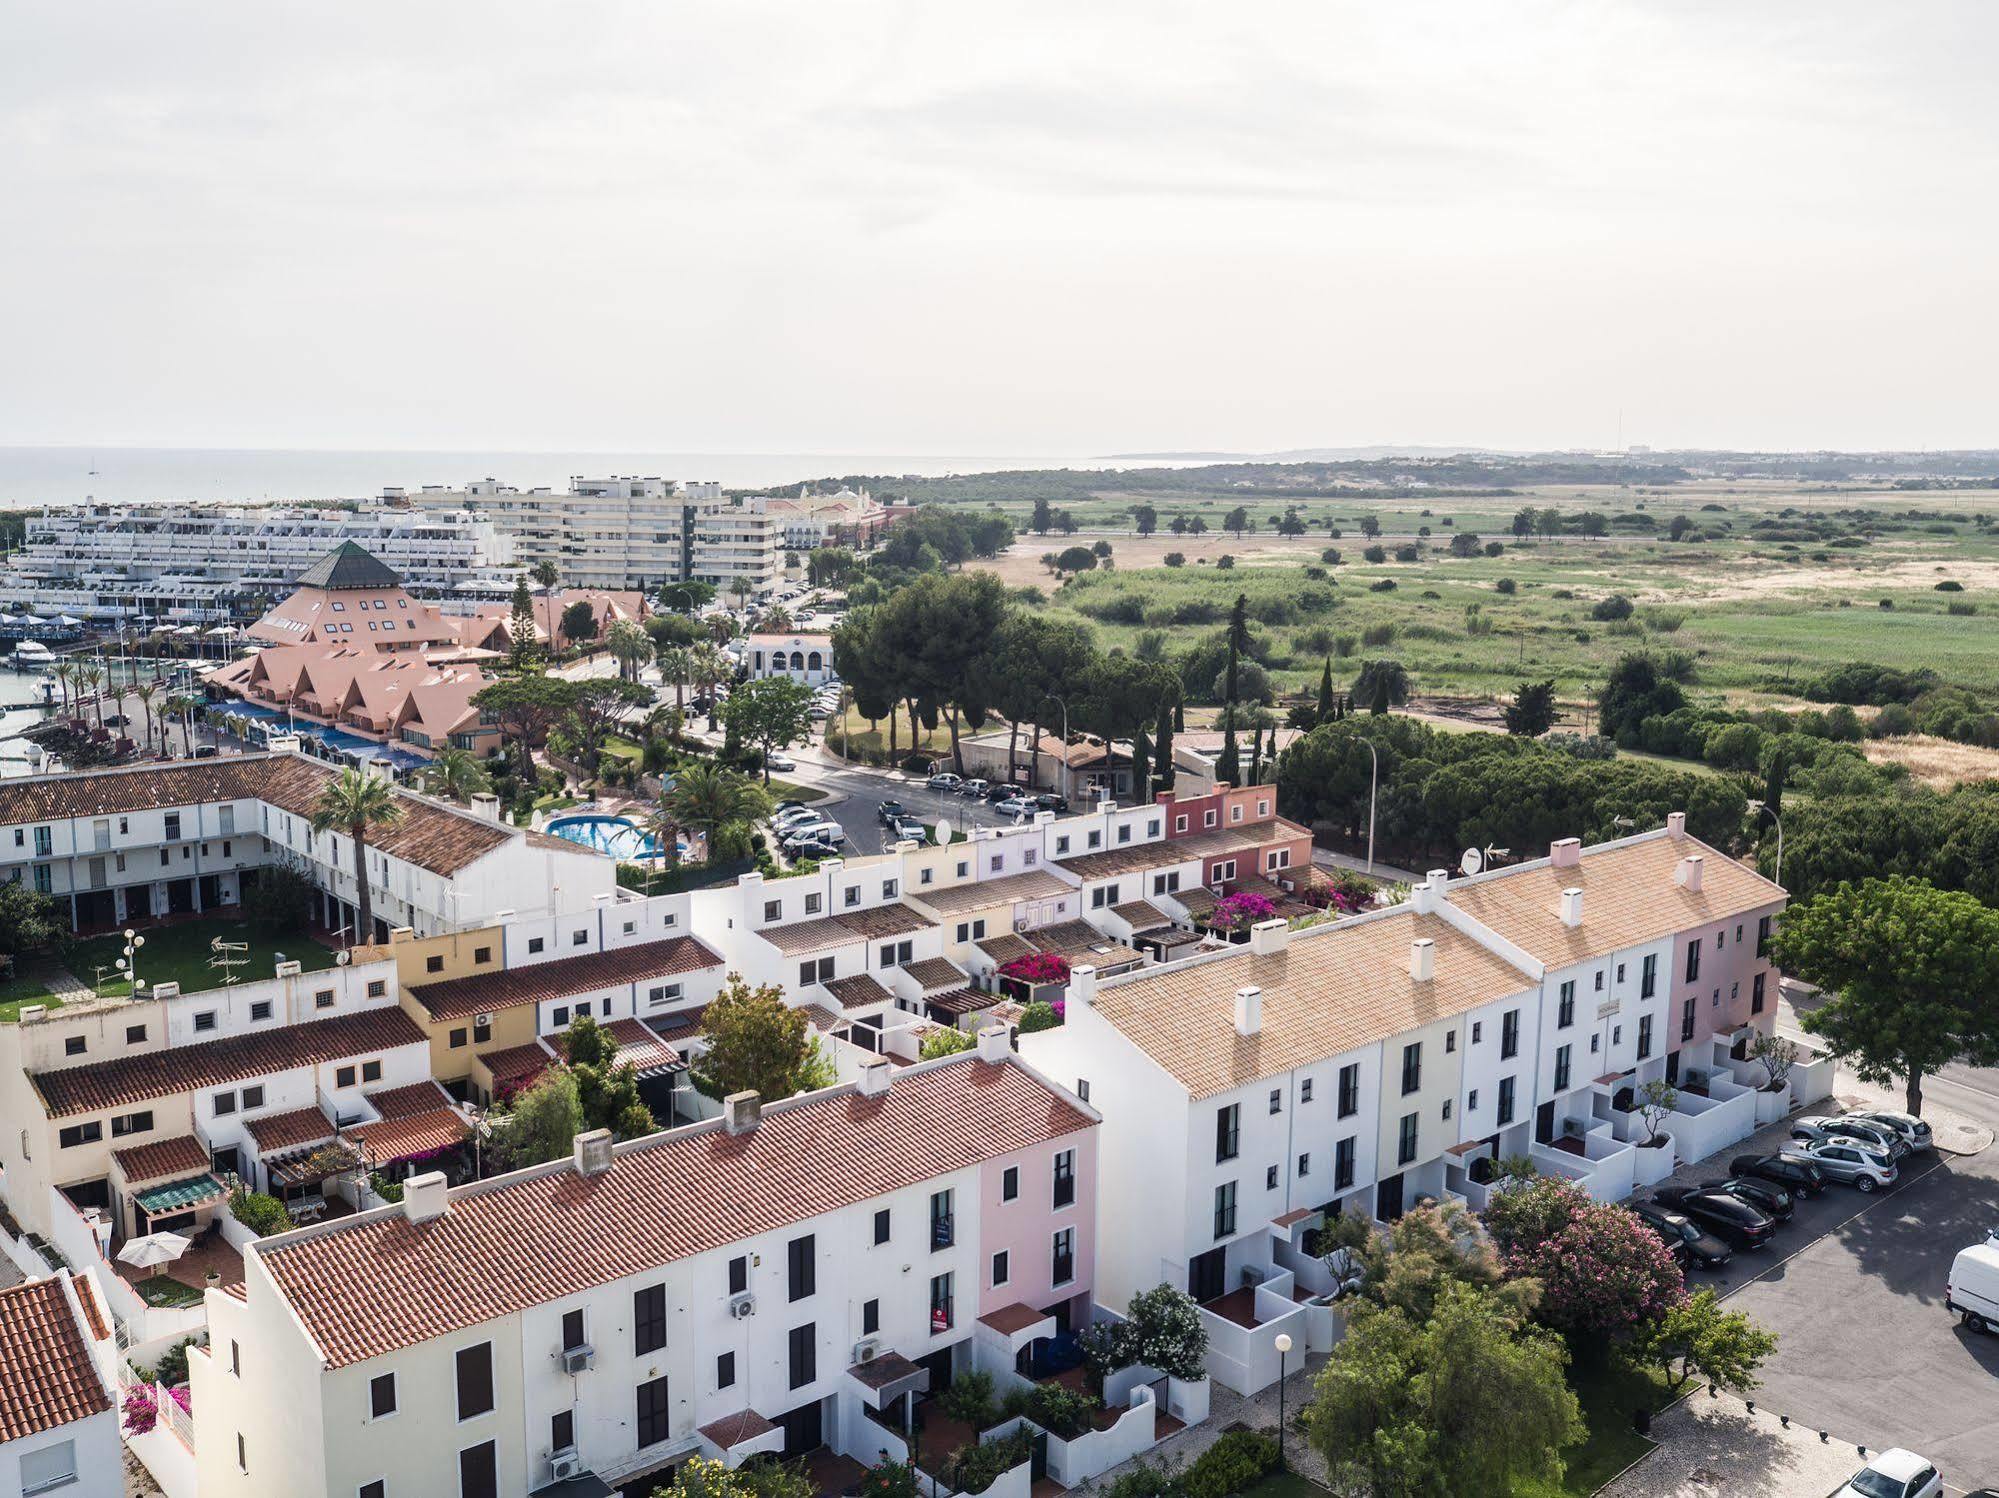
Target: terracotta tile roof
x=639 y=1048
x=239 y=1058
x=961 y=1001
x=893 y=919
x=1629 y=897
x=46 y=1376
x=407 y=1102
x=1141 y=915
x=679 y=1027
x=957 y=899
x=284 y=1131
x=858 y=990
x=411 y=1134
x=880 y=1372
x=163 y=1158
x=1004 y=947
x=486 y=993
x=823 y=1019
x=516 y=1066
x=934 y=972
x=1198 y=901
x=366 y=1288
x=95 y=1322
x=1140 y=857
x=848 y=927
x=1079 y=941
x=1334 y=987
x=732 y=1430
x=1014 y=1318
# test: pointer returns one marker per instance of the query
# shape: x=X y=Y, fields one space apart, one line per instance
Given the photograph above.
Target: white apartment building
x=781 y=1278
x=188 y=562
x=59 y=1420
x=628 y=532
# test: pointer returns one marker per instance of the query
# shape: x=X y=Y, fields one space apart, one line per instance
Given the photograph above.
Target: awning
x=178 y=1196
x=1017 y=1325
x=887 y=1378
x=742 y=1434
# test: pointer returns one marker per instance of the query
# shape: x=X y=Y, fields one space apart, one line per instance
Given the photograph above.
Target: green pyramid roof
x=348 y=566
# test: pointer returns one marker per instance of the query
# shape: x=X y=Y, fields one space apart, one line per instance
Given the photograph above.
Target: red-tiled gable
x=185 y=1156
x=679 y=1027
x=407 y=1102
x=284 y=1131
x=486 y=993
x=240 y=1058
x=46 y=1376
x=378 y=1286
x=935 y=972
x=639 y=1047
x=410 y=1135
x=516 y=1066
x=732 y=1430
x=858 y=990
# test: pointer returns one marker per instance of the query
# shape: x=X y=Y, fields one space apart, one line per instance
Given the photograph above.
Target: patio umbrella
x=153 y=1250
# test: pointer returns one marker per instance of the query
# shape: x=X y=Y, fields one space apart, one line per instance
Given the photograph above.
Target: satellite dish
x=343 y=958
x=1472 y=862
x=942 y=831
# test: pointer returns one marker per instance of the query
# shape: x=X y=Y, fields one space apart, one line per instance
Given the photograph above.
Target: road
x=862 y=793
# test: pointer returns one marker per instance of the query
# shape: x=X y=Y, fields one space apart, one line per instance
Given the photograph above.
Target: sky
x=1029 y=228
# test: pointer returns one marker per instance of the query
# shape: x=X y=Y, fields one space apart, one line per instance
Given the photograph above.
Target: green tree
x=630 y=646
x=708 y=667
x=945 y=1040
x=1144 y=519
x=607 y=1093
x=756 y=1043
x=456 y=773
x=1162 y=740
x=521 y=649
x=525 y=708
x=1161 y=1329
x=579 y=622
x=1325 y=712
x=1908 y=970
x=1433 y=1247
x=1697 y=1338
x=772 y=714
x=1075 y=559
x=1467 y=1402
x=759 y=1477
x=688 y=597
x=29 y=919
x=1382 y=684
x=718 y=803
x=1531 y=713
x=1236 y=521
x=546 y=575
x=542 y=1121
x=1639 y=688
x=357 y=802
x=1044 y=518
x=279 y=900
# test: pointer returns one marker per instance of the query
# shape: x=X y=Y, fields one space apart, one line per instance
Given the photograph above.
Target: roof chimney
x=995 y=1043
x=1688 y=874
x=486 y=806
x=1423 y=959
x=1083 y=984
x=1438 y=878
x=1676 y=824
x=165 y=990
x=742 y=1112
x=875 y=1076
x=1248 y=1010
x=426 y=1197
x=1572 y=907
x=1423 y=897
x=592 y=1151
x=1268 y=938
x=1566 y=853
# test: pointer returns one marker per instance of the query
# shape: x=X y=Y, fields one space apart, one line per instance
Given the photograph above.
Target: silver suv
x=1913 y=1131
x=1847 y=1160
x=1882 y=1138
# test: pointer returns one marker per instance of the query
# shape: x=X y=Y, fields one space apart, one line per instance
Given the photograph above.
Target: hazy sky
x=924 y=227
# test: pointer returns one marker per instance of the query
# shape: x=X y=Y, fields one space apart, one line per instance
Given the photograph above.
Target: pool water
x=615 y=837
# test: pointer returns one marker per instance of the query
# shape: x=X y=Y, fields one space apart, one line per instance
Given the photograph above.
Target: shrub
x=1948 y=586
x=889 y=1479
x=1408 y=554
x=1377 y=634
x=1037 y=968
x=1330 y=556
x=1345 y=645
x=171 y=1369
x=970 y=1399
x=1506 y=585
x=1224 y=562
x=382 y=1186
x=974 y=1467
x=1494 y=548
x=1375 y=554
x=1057 y=1409
x=1608 y=610
x=1235 y=1462
x=1040 y=1015
x=945 y=1040
x=1385 y=585
x=1958 y=609
x=1892 y=722
x=1175 y=559
x=1141 y=1480
x=260 y=1213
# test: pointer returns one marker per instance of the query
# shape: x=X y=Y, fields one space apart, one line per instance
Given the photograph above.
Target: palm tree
x=457 y=773
x=675 y=666
x=164 y=710
x=91 y=675
x=630 y=645
x=722 y=627
x=547 y=575
x=352 y=803
x=709 y=667
x=62 y=675
x=146 y=692
x=775 y=620
x=721 y=804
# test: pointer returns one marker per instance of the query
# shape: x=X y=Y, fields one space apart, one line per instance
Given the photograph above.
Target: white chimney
x=1423 y=959
x=1688 y=874
x=1083 y=984
x=1572 y=907
x=165 y=990
x=1676 y=824
x=592 y=1152
x=1567 y=853
x=1423 y=897
x=1248 y=1010
x=486 y=806
x=288 y=969
x=832 y=865
x=742 y=1112
x=1268 y=938
x=426 y=1197
x=31 y=1013
x=995 y=1044
x=1043 y=818
x=1438 y=878
x=876 y=1072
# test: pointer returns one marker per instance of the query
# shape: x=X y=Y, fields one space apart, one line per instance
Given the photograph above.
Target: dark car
x=1767 y=1197
x=890 y=813
x=999 y=790
x=1728 y=1218
x=1799 y=1177
x=1049 y=801
x=1701 y=1248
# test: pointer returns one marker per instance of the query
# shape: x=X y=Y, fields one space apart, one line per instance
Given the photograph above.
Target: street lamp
x=1283 y=1345
x=1765 y=808
x=1065 y=742
x=1373 y=783
x=129 y=963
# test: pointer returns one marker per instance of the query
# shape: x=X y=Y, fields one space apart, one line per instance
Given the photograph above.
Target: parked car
x=1878 y=1137
x=1704 y=1249
x=1767 y=1197
x=791 y=821
x=889 y=813
x=1728 y=1218
x=944 y=781
x=1001 y=790
x=204 y=751
x=813 y=841
x=1049 y=801
x=1972 y=1291
x=1913 y=1131
x=780 y=762
x=1800 y=1177
x=1848 y=1161
x=1894 y=1474
x=790 y=804
x=1016 y=806
x=908 y=829
x=973 y=787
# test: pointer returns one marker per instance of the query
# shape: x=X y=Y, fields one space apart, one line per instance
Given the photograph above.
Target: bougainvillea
x=1240 y=911
x=1036 y=968
x=142 y=1409
x=1603 y=1272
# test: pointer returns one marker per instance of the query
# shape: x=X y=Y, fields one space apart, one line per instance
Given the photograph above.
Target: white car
x=1972 y=1291
x=780 y=762
x=799 y=816
x=1017 y=806
x=1894 y=1474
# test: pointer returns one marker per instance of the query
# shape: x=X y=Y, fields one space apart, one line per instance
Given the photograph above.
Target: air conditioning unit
x=1252 y=1275
x=564 y=1464
x=743 y=1305
x=578 y=1359
x=867 y=1349
x=483 y=1021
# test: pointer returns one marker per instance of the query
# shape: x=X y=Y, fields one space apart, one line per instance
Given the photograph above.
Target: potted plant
x=1656 y=1101
x=1777 y=1055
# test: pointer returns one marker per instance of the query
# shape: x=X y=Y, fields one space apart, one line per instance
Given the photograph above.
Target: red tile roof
x=732 y=1430
x=858 y=990
x=185 y=1156
x=516 y=1066
x=639 y=1047
x=406 y=1102
x=240 y=1058
x=46 y=1376
x=1014 y=1318
x=283 y=1131
x=409 y=1135
x=368 y=1288
x=485 y=993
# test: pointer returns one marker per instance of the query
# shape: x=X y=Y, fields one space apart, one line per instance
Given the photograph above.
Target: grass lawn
x=24 y=990
x=180 y=954
x=1608 y=1398
x=861 y=743
x=1286 y=1484
x=160 y=1290
x=791 y=790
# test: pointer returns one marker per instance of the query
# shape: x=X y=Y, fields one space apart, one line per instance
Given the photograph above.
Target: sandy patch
x=1942 y=763
x=1745 y=584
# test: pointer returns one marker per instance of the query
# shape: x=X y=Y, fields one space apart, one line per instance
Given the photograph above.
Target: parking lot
x=862 y=794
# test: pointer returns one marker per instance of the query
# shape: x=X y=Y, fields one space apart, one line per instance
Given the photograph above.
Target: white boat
x=33 y=655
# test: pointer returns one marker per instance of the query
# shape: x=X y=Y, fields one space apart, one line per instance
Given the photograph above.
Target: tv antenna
x=227 y=957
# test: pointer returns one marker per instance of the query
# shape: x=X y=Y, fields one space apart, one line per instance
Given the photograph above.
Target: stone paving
x=1226 y=1408
x=1709 y=1447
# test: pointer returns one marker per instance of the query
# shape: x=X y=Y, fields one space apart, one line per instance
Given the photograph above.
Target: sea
x=35 y=476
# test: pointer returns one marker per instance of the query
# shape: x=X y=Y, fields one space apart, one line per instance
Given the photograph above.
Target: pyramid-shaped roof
x=349 y=566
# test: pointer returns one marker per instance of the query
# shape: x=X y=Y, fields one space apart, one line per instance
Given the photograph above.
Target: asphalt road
x=862 y=793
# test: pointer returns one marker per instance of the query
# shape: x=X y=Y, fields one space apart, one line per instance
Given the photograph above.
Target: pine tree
x=1180 y=717
x=1326 y=693
x=521 y=626
x=1163 y=746
x=1141 y=768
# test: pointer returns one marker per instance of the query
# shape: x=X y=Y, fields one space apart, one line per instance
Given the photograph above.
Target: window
x=78 y=1134
x=536 y=944
x=253 y=1097
x=1412 y=1067
x=1450 y=1041
x=173 y=829
x=812 y=903
x=1010 y=1183
x=1599 y=981
x=475 y=1380
x=999 y=1269
x=881 y=1226
x=662 y=993
x=260 y=1009
x=1305 y=1090
x=1083 y=1089
x=725 y=1370
x=1270 y=1178
x=1471 y=1101
x=1763 y=936
x=1304 y=1165
x=1509 y=1035
x=1225 y=1209
x=871 y=1317
x=1687 y=1020
x=458 y=1038
x=1648 y=976
x=482 y=1028
x=1565 y=1011
x=896 y=952
x=378 y=988
x=559 y=1016
x=1228 y=1134
x=648 y=1320
x=888 y=889
x=1617 y=1035
x=323 y=999
x=801 y=1268
x=1405 y=1140
x=1061 y=845
x=204 y=1021
x=1505 y=1113
x=1756 y=994
x=739 y=1274
x=815 y=970
x=578 y=938
x=482 y=954
x=1644 y=1036
x=1063 y=1266
x=1124 y=832
x=135 y=1035
x=1343 y=1165
x=562 y=1430
x=653 y=1412
x=1167 y=883
x=1693 y=959
x=375 y=1489
x=1180 y=823
x=381 y=1396
x=1593 y=1043
x=773 y=910
x=1447 y=1109
x=803 y=1356
x=1349 y=1103
x=224 y=1104
x=1065 y=1179
x=851 y=896
x=943 y=1231
x=1276 y=1100
x=131 y=1123
x=433 y=963
x=242 y=1454
x=943 y=1307
x=75 y=1045
x=1562 y=1067
x=371 y=1071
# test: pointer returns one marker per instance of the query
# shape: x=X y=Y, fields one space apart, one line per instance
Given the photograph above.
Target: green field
x=25 y=989
x=181 y=954
x=1608 y=1399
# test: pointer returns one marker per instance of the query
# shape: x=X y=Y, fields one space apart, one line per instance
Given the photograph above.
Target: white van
x=1973 y=1290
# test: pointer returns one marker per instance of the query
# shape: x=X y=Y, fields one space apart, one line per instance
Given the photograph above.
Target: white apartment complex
x=627 y=532
x=111 y=562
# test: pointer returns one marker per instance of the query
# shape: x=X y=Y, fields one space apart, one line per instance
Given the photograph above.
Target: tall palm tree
x=90 y=676
x=630 y=646
x=145 y=691
x=675 y=666
x=709 y=667
x=719 y=803
x=164 y=710
x=547 y=575
x=457 y=773
x=353 y=802
x=722 y=627
x=62 y=675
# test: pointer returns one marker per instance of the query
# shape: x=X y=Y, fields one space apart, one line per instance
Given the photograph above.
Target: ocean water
x=31 y=476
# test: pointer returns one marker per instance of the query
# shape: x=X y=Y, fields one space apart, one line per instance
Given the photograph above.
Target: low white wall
x=234 y=1233
x=1187 y=1399
x=1650 y=1166
x=1097 y=1451
x=1812 y=1082
x=1703 y=1125
x=171 y=1463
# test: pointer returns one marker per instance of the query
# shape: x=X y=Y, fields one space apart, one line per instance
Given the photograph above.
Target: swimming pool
x=616 y=837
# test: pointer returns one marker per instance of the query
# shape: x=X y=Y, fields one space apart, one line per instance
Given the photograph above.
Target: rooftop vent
x=876 y=1074
x=1572 y=907
x=1423 y=959
x=426 y=1197
x=1423 y=897
x=1567 y=853
x=593 y=1152
x=1268 y=938
x=995 y=1043
x=1676 y=824
x=742 y=1112
x=1248 y=1010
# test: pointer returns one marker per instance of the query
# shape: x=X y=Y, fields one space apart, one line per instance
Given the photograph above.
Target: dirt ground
x=1937 y=762
x=1749 y=578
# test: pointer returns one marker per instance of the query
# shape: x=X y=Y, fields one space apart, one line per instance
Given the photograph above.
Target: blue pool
x=616 y=837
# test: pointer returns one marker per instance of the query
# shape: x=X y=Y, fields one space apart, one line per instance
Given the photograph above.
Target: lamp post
x=1373 y=784
x=129 y=963
x=1764 y=807
x=1283 y=1345
x=1065 y=742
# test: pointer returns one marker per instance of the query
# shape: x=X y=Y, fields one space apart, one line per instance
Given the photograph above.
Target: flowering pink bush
x=1240 y=911
x=1603 y=1272
x=1037 y=968
x=142 y=1410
